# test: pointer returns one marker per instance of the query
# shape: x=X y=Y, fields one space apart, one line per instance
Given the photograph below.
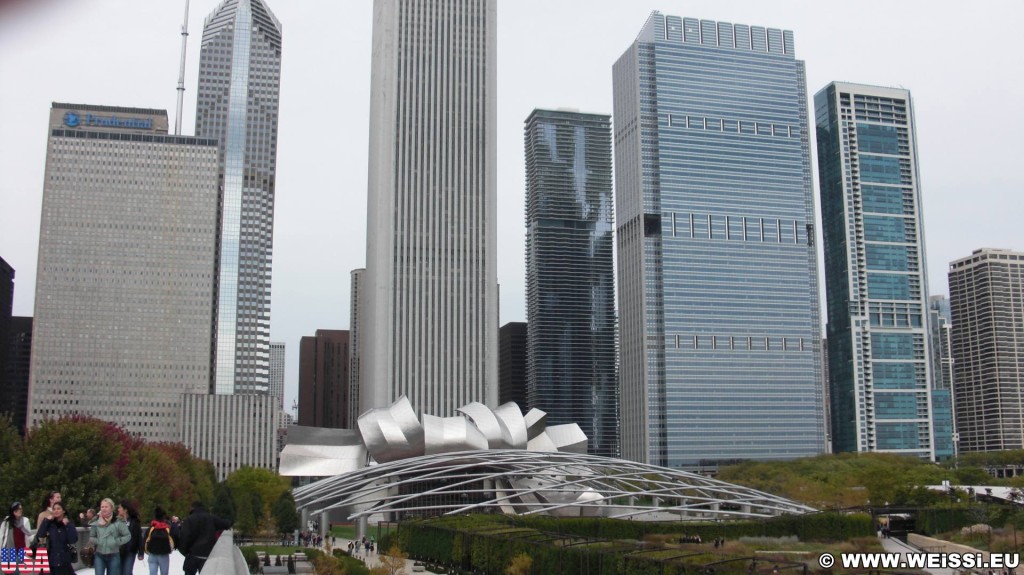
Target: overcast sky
x=962 y=63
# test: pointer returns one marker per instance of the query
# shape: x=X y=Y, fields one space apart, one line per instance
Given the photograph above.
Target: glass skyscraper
x=429 y=327
x=718 y=293
x=939 y=328
x=880 y=365
x=237 y=103
x=570 y=283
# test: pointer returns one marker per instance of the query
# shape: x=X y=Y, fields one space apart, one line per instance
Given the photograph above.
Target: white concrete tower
x=430 y=328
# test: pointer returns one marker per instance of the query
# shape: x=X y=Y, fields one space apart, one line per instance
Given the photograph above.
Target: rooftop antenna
x=181 y=73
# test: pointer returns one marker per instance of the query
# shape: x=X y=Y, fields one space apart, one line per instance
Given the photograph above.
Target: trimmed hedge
x=602 y=546
x=936 y=520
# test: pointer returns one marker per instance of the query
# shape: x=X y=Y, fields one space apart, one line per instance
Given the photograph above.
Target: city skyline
x=308 y=296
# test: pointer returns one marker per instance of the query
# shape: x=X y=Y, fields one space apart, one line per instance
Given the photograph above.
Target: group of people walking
x=116 y=537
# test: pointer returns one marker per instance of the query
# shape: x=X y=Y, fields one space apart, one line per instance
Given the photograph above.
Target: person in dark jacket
x=132 y=549
x=198 y=535
x=59 y=532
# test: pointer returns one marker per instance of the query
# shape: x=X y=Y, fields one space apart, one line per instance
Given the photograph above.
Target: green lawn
x=349 y=531
x=344 y=531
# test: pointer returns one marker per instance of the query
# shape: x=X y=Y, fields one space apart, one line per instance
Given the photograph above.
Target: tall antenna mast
x=181 y=73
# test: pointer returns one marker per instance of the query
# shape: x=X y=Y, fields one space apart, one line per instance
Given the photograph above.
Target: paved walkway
x=896 y=546
x=373 y=559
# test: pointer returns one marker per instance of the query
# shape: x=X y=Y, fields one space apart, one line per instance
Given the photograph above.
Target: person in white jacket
x=16 y=531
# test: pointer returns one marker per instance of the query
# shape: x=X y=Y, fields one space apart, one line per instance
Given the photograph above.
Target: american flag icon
x=12 y=559
x=40 y=563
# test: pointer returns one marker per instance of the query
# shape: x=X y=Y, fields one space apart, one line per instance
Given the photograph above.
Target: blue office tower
x=880 y=367
x=940 y=328
x=718 y=294
x=570 y=279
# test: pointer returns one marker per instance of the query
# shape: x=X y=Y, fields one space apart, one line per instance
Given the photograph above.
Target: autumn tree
x=520 y=565
x=392 y=562
x=87 y=459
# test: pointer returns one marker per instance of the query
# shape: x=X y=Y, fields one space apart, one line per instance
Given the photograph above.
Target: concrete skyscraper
x=125 y=286
x=718 y=298
x=570 y=274
x=277 y=367
x=324 y=379
x=880 y=366
x=237 y=104
x=429 y=327
x=986 y=296
x=354 y=337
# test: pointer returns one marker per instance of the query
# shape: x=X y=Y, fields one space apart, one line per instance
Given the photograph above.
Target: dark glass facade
x=718 y=299
x=237 y=103
x=19 y=356
x=6 y=307
x=880 y=368
x=570 y=310
x=570 y=284
x=512 y=364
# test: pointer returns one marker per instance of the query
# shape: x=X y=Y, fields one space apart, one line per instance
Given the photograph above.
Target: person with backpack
x=160 y=541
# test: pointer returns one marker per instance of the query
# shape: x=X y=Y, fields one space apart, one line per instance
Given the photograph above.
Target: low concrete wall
x=931 y=544
x=225 y=559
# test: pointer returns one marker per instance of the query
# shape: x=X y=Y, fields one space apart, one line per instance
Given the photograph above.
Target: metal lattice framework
x=522 y=482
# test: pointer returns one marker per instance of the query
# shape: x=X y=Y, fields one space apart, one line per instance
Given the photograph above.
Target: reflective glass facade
x=718 y=300
x=880 y=368
x=570 y=284
x=986 y=296
x=239 y=77
x=940 y=327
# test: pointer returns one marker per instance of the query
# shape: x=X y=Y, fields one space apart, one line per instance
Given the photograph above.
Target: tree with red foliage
x=87 y=459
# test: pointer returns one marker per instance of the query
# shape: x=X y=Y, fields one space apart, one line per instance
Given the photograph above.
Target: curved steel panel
x=512 y=417
x=494 y=429
x=536 y=420
x=392 y=433
x=568 y=437
x=448 y=434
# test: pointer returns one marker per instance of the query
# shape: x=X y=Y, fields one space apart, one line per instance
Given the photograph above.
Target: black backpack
x=159 y=541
